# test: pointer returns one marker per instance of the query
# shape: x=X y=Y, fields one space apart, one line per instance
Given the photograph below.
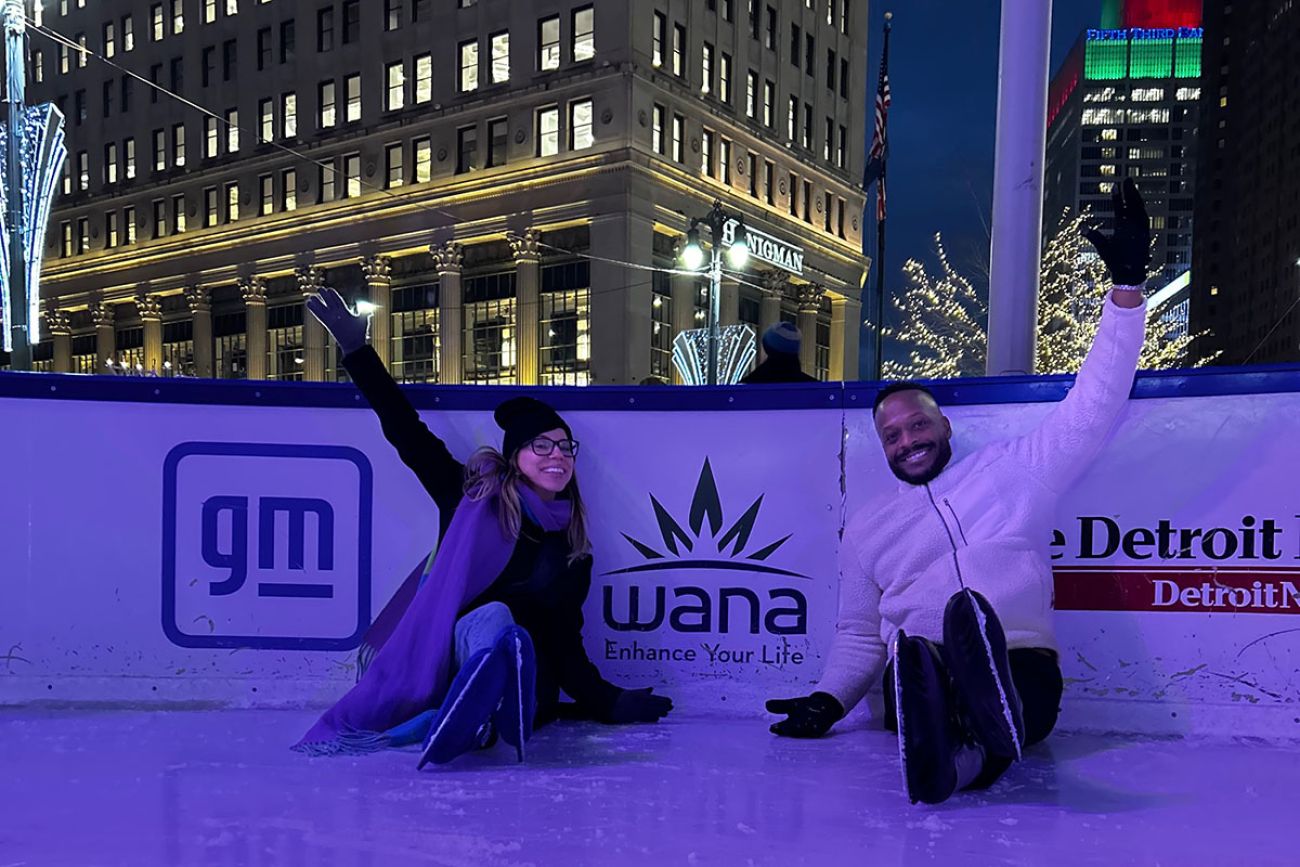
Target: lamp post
x=692 y=258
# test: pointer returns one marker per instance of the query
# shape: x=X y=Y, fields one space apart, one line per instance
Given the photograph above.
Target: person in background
x=781 y=345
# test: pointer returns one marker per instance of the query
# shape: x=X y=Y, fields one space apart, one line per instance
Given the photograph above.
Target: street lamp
x=692 y=258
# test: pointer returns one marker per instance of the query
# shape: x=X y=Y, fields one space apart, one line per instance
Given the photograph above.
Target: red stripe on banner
x=1239 y=591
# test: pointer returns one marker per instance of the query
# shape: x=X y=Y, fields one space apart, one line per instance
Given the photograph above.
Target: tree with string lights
x=945 y=322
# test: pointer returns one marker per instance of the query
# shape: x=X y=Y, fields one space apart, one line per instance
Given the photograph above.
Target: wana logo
x=694 y=607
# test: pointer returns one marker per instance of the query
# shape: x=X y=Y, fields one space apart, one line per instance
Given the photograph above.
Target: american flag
x=875 y=172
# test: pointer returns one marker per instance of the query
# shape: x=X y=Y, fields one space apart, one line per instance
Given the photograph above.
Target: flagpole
x=878 y=315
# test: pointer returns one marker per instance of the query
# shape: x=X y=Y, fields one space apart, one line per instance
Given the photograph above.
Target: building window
x=325 y=29
x=792 y=118
x=83 y=171
x=208 y=65
x=769 y=104
x=289 y=190
x=769 y=182
x=808 y=125
x=396 y=94
x=392 y=14
x=829 y=140
x=289 y=115
x=288 y=42
x=178 y=145
x=352 y=86
x=752 y=165
x=499 y=46
x=230 y=336
x=111 y=231
x=751 y=94
x=658 y=36
x=328 y=183
x=679 y=138
x=490 y=329
x=232 y=130
x=807 y=202
x=328 y=115
x=423 y=79
x=178 y=74
x=178 y=214
x=566 y=324
x=468 y=80
x=839 y=217
x=66 y=231
x=809 y=53
x=128 y=223
x=498 y=141
x=128 y=148
x=706 y=69
x=679 y=50
x=263 y=48
x=423 y=160
x=584 y=34
x=826 y=212
x=351 y=176
x=769 y=38
x=351 y=21
x=394 y=170
x=842 y=148
x=160 y=218
x=580 y=125
x=110 y=40
x=128 y=34
x=794 y=195
x=844 y=77
x=661 y=323
x=38 y=66
x=110 y=163
x=232 y=201
x=160 y=150
x=724 y=77
x=548 y=43
x=660 y=120
x=266 y=119
x=156 y=18
x=210 y=213
x=414 y=354
x=830 y=70
x=284 y=344
x=548 y=131
x=706 y=153
x=724 y=161
x=229 y=60
x=466 y=149
x=420 y=10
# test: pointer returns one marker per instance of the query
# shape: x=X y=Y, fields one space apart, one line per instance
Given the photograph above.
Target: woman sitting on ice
x=482 y=643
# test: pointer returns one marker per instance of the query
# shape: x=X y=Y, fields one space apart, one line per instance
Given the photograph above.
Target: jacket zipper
x=951 y=541
x=956 y=521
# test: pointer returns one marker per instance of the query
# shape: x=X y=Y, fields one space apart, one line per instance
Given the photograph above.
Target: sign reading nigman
x=766 y=248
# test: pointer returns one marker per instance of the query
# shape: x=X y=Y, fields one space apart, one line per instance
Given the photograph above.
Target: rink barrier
x=716 y=518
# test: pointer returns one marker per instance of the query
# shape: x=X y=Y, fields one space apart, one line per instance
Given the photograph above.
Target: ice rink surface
x=208 y=787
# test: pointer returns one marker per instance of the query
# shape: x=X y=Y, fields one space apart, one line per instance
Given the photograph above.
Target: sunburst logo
x=690 y=550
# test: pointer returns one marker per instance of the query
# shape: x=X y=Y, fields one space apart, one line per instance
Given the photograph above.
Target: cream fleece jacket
x=988 y=515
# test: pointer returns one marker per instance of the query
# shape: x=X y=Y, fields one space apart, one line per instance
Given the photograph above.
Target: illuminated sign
x=1146 y=33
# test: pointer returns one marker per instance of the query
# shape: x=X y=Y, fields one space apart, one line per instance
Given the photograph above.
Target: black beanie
x=524 y=419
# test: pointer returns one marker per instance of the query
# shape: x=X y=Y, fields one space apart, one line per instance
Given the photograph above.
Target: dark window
x=230 y=60
x=351 y=21
x=796 y=44
x=128 y=88
x=288 y=42
x=325 y=29
x=155 y=75
x=178 y=74
x=209 y=64
x=498 y=141
x=466 y=149
x=263 y=48
x=420 y=10
x=770 y=40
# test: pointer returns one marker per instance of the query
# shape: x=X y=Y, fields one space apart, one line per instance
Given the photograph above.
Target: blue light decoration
x=737 y=347
x=42 y=153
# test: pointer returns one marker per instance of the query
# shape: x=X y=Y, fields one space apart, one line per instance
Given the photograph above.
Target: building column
x=775 y=284
x=810 y=304
x=528 y=304
x=621 y=297
x=150 y=310
x=846 y=327
x=200 y=303
x=105 y=336
x=253 y=290
x=683 y=291
x=378 y=271
x=730 y=303
x=315 y=340
x=449 y=259
x=59 y=326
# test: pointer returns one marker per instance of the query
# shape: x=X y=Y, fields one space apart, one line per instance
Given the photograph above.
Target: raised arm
x=427 y=456
x=1076 y=429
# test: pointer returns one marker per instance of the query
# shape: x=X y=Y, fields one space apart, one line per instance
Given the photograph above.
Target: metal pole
x=1018 y=185
x=715 y=305
x=20 y=357
x=879 y=313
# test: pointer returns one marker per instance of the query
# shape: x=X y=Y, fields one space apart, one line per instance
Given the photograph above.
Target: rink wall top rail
x=1263 y=379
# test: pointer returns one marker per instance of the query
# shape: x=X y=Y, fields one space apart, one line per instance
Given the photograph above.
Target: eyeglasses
x=543 y=446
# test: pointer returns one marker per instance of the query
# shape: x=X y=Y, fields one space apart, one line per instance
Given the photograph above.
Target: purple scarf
x=411 y=669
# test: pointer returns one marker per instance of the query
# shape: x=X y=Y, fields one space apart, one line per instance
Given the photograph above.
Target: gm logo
x=266 y=546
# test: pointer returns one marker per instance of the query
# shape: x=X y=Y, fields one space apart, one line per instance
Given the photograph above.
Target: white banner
x=233 y=554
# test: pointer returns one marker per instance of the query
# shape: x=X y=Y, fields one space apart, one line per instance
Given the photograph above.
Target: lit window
x=423 y=160
x=352 y=176
x=394 y=173
x=232 y=201
x=178 y=145
x=289 y=190
x=423 y=79
x=328 y=114
x=396 y=96
x=548 y=132
x=266 y=119
x=580 y=127
x=266 y=183
x=211 y=137
x=548 y=44
x=500 y=49
x=289 y=114
x=706 y=68
x=468 y=80
x=352 y=84
x=679 y=138
x=232 y=130
x=657 y=129
x=178 y=212
x=584 y=34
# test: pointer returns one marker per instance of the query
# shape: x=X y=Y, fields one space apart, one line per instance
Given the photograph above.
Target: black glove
x=1127 y=252
x=639 y=706
x=809 y=716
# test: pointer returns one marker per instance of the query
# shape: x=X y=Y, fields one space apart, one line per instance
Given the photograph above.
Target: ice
x=220 y=787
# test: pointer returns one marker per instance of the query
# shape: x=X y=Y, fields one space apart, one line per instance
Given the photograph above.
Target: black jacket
x=543 y=591
x=778 y=368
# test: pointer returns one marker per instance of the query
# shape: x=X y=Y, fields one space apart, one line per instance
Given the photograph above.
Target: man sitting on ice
x=946 y=583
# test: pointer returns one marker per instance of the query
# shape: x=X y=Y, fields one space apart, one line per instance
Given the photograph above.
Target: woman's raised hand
x=348 y=328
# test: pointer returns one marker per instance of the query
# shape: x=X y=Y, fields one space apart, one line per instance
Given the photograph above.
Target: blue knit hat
x=781 y=339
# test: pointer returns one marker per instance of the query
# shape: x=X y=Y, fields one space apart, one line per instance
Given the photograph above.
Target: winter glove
x=1127 y=252
x=808 y=717
x=639 y=706
x=348 y=328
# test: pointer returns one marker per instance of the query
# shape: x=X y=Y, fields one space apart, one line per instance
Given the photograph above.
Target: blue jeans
x=478 y=629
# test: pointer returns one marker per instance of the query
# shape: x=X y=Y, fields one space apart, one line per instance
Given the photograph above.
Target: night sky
x=943 y=71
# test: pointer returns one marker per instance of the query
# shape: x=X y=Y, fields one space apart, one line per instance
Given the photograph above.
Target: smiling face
x=915 y=436
x=550 y=474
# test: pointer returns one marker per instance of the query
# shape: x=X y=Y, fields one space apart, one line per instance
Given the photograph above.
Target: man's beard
x=943 y=454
